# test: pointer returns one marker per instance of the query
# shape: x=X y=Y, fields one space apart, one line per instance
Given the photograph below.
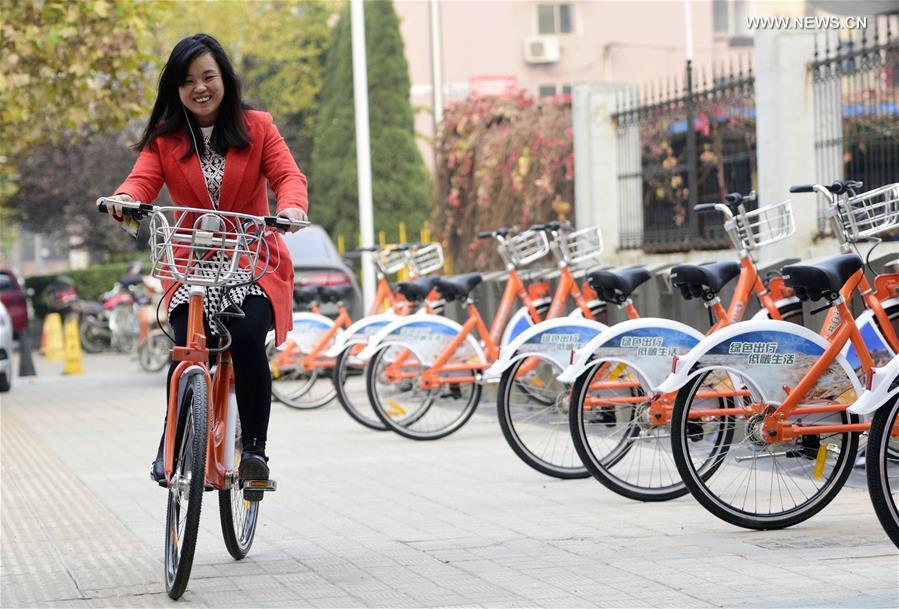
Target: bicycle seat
x=416 y=290
x=306 y=294
x=617 y=286
x=335 y=293
x=822 y=279
x=458 y=286
x=703 y=280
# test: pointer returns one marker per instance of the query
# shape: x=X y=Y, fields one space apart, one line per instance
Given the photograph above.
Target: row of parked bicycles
x=759 y=419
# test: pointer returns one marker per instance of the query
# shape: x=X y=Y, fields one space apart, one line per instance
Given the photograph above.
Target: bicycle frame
x=222 y=411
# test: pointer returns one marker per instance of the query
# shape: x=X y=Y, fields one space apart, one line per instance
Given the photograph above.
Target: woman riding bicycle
x=214 y=152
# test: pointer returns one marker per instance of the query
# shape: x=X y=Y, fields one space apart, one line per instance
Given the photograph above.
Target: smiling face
x=202 y=90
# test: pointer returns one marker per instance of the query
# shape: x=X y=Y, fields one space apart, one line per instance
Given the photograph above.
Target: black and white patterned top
x=217 y=298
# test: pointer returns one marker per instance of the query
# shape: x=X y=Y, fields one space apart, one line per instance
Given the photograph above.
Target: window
x=729 y=17
x=555 y=18
x=553 y=90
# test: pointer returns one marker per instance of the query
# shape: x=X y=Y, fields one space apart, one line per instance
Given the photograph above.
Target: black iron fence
x=855 y=75
x=683 y=143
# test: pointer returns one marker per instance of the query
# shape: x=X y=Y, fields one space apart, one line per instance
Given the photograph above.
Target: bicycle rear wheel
x=186 y=486
x=533 y=415
x=882 y=467
x=746 y=480
x=613 y=431
x=407 y=408
x=237 y=515
x=349 y=383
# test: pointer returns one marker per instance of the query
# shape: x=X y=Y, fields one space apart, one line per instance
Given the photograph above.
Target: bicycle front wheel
x=532 y=407
x=186 y=487
x=742 y=478
x=404 y=406
x=237 y=515
x=882 y=467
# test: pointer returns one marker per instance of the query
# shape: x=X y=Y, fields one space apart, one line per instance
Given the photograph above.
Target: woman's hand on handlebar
x=115 y=210
x=293 y=213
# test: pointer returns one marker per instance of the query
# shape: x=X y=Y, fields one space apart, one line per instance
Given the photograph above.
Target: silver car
x=5 y=349
x=317 y=262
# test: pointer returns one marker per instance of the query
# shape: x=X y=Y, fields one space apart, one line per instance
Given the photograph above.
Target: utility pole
x=363 y=149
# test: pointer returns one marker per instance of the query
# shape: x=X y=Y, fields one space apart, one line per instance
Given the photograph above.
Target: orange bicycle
x=779 y=448
x=202 y=248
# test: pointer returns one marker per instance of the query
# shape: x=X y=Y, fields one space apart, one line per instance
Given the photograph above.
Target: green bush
x=90 y=283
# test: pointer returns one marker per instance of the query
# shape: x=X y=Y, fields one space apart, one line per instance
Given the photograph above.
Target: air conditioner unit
x=541 y=49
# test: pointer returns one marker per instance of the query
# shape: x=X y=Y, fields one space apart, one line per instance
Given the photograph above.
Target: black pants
x=252 y=378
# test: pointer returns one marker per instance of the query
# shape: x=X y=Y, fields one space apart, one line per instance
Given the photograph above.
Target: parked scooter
x=112 y=323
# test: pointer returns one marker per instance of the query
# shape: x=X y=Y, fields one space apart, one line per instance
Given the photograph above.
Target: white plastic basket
x=426 y=259
x=205 y=248
x=390 y=260
x=750 y=230
x=527 y=247
x=870 y=213
x=582 y=247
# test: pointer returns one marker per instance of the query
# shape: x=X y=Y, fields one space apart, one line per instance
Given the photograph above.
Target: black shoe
x=157 y=468
x=253 y=467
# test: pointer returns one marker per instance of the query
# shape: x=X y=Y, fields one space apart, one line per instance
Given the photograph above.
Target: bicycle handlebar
x=837 y=187
x=137 y=210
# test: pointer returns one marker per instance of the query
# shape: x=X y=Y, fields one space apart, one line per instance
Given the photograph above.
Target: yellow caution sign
x=73 y=363
x=51 y=342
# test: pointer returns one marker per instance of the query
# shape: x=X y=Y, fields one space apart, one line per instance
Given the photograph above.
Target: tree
x=400 y=182
x=67 y=68
x=59 y=183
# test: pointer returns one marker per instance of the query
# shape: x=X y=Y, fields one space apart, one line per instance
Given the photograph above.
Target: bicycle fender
x=427 y=335
x=884 y=387
x=518 y=323
x=359 y=332
x=774 y=354
x=763 y=312
x=553 y=339
x=647 y=344
x=307 y=330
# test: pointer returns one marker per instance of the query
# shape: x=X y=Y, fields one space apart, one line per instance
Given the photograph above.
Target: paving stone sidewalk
x=366 y=519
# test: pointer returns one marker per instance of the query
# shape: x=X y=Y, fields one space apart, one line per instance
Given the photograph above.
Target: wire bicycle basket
x=751 y=230
x=390 y=260
x=869 y=213
x=582 y=247
x=205 y=248
x=527 y=247
x=426 y=259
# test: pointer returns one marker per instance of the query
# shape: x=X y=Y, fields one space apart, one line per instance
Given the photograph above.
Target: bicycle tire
x=796 y=455
x=154 y=353
x=360 y=412
x=881 y=463
x=538 y=428
x=238 y=516
x=432 y=403
x=190 y=455
x=301 y=396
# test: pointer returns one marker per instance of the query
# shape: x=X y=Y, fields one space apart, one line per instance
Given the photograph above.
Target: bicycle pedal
x=254 y=490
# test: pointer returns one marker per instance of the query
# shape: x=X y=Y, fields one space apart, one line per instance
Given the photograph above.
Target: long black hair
x=169 y=114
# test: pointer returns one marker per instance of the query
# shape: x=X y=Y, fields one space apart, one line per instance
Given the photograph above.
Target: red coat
x=243 y=190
